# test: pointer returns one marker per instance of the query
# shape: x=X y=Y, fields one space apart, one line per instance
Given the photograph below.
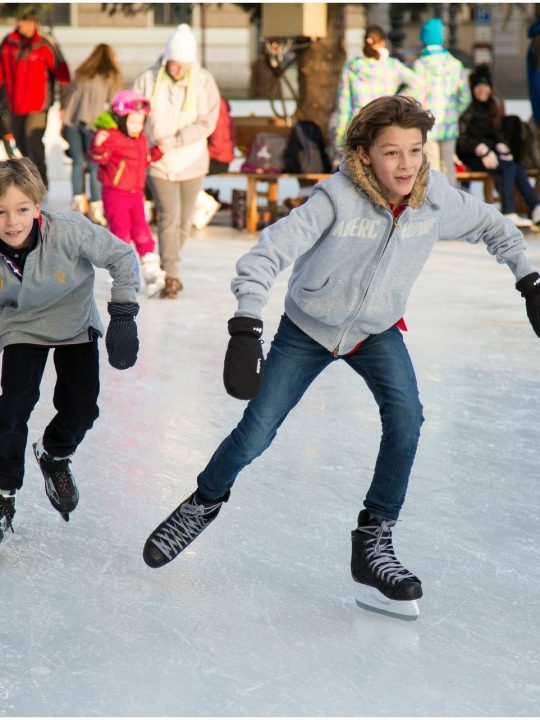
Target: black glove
x=244 y=359
x=121 y=339
x=529 y=287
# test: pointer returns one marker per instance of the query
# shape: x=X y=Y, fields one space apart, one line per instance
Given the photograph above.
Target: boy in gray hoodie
x=357 y=246
x=47 y=303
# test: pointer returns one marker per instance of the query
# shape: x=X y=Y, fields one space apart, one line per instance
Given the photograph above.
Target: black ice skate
x=59 y=482
x=7 y=511
x=382 y=584
x=175 y=533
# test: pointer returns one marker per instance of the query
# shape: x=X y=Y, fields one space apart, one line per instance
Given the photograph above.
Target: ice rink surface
x=258 y=618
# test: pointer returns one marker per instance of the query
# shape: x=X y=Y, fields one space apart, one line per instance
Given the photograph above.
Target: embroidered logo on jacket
x=417 y=227
x=357 y=227
x=60 y=277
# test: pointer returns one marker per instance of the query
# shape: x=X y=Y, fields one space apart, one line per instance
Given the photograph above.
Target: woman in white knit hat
x=184 y=99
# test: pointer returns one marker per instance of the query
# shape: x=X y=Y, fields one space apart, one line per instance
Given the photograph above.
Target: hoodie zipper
x=372 y=270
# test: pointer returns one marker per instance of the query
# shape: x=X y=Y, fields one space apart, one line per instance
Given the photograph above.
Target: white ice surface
x=258 y=618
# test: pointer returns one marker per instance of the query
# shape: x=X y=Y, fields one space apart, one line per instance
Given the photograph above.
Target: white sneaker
x=80 y=204
x=96 y=213
x=535 y=215
x=518 y=221
x=153 y=275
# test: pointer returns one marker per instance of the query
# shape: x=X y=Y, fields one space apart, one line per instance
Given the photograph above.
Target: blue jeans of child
x=293 y=362
x=79 y=138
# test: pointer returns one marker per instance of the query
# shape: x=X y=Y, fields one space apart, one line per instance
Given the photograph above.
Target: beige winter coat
x=185 y=109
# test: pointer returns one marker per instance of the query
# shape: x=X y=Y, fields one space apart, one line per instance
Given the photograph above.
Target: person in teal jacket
x=357 y=246
x=446 y=94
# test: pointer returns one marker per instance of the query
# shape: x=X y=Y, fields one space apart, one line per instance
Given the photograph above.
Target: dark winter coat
x=476 y=126
x=533 y=69
x=27 y=66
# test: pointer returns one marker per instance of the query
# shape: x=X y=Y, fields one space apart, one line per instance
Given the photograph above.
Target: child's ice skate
x=175 y=533
x=153 y=275
x=382 y=584
x=7 y=511
x=59 y=482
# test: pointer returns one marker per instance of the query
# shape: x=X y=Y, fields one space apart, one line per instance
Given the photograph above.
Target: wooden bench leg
x=252 y=212
x=273 y=199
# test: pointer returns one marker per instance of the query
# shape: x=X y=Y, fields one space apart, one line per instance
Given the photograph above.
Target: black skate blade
x=65 y=516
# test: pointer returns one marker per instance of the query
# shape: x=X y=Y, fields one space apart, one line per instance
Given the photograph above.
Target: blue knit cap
x=432 y=32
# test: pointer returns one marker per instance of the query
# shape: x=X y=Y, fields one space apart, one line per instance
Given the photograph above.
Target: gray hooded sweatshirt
x=54 y=302
x=354 y=263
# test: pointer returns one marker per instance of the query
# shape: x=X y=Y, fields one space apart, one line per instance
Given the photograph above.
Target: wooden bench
x=266 y=186
x=488 y=180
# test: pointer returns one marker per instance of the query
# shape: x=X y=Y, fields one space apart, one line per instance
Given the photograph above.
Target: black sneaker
x=374 y=561
x=7 y=511
x=59 y=483
x=186 y=523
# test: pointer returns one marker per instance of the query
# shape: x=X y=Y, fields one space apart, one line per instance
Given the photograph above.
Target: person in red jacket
x=222 y=141
x=29 y=65
x=120 y=148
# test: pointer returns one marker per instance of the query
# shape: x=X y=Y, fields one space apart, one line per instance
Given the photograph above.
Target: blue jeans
x=293 y=362
x=514 y=174
x=79 y=138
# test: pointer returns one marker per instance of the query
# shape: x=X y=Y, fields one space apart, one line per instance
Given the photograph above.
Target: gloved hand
x=244 y=359
x=529 y=287
x=504 y=152
x=490 y=161
x=481 y=149
x=121 y=339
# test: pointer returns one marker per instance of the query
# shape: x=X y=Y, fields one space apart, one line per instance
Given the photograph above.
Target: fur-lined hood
x=363 y=177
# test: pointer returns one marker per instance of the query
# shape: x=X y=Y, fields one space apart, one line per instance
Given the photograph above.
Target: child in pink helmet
x=121 y=149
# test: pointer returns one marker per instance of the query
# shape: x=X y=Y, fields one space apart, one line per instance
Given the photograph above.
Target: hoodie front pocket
x=328 y=304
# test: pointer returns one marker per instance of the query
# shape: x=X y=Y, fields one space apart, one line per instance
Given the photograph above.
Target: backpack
x=305 y=151
x=265 y=154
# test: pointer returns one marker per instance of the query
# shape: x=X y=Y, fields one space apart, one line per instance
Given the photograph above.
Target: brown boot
x=171 y=289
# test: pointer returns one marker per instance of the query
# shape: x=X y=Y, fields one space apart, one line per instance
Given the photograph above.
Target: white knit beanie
x=181 y=46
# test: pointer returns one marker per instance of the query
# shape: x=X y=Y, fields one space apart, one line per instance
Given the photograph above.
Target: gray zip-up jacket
x=354 y=264
x=54 y=302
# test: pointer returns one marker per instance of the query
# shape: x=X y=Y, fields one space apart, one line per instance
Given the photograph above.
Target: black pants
x=28 y=131
x=75 y=399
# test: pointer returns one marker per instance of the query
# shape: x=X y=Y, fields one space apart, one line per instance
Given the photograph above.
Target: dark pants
x=75 y=397
x=509 y=175
x=28 y=131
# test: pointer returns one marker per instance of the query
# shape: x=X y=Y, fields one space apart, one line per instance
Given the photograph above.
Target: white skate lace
x=182 y=527
x=380 y=554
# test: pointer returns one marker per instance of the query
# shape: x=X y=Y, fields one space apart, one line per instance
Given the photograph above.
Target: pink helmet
x=128 y=101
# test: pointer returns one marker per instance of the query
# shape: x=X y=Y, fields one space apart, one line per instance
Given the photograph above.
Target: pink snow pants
x=125 y=212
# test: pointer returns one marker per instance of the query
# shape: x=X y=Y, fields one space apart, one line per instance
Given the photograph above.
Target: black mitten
x=529 y=287
x=244 y=359
x=121 y=339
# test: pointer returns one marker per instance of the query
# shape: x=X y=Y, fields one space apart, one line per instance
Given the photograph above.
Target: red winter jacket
x=222 y=141
x=27 y=67
x=122 y=160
